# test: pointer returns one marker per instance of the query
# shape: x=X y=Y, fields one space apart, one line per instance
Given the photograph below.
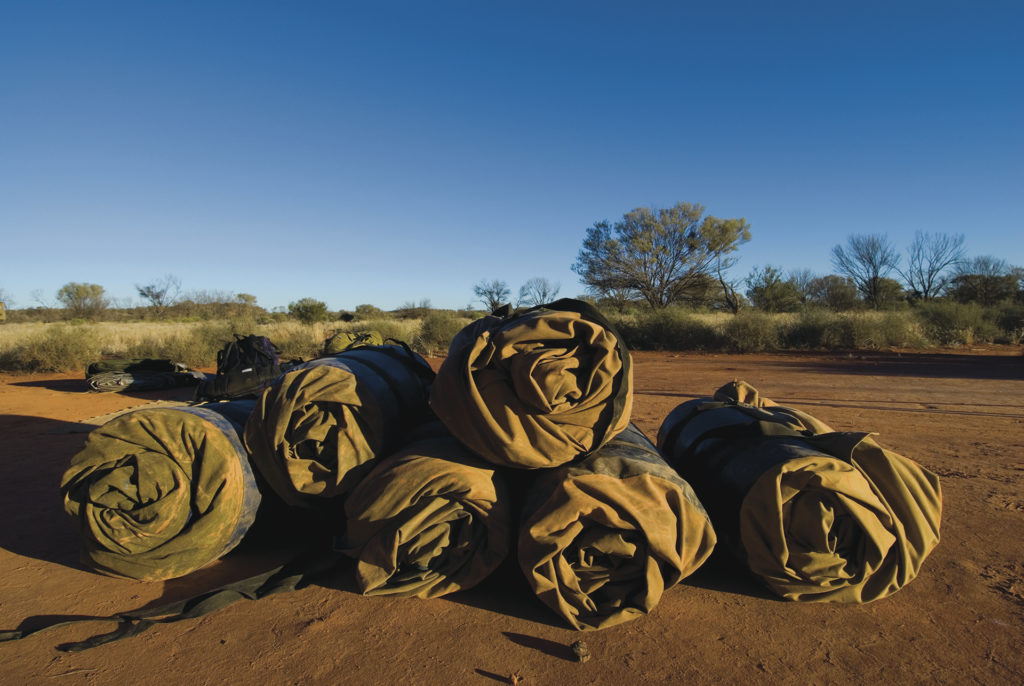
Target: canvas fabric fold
x=158 y=493
x=429 y=520
x=538 y=388
x=317 y=429
x=603 y=538
x=818 y=515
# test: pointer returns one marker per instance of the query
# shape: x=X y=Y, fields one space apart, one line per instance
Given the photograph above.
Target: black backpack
x=245 y=366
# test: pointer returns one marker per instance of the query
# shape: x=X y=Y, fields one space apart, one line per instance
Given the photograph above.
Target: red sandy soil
x=961 y=621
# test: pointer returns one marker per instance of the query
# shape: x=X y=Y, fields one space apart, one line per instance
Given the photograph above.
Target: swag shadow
x=36 y=453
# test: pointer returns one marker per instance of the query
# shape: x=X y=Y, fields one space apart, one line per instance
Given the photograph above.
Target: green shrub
x=437 y=331
x=751 y=331
x=668 y=329
x=1010 y=320
x=309 y=310
x=952 y=323
x=58 y=348
x=878 y=330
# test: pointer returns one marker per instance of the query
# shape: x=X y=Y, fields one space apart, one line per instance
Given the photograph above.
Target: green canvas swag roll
x=317 y=429
x=818 y=515
x=429 y=520
x=349 y=340
x=604 y=537
x=160 y=492
x=537 y=388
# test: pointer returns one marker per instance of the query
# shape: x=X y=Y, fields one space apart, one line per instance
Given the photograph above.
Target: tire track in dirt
x=881 y=406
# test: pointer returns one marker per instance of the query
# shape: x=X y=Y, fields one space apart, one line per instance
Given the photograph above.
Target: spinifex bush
x=436 y=332
x=668 y=329
x=877 y=330
x=751 y=331
x=56 y=348
x=956 y=324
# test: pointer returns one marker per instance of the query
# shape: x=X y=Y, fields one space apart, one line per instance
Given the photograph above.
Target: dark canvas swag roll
x=134 y=374
x=536 y=388
x=160 y=492
x=603 y=538
x=428 y=520
x=818 y=515
x=315 y=432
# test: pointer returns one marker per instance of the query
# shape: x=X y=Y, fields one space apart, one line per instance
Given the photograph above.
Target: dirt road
x=961 y=621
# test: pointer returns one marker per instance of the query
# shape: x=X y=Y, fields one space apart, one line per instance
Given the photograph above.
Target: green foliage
x=837 y=293
x=309 y=310
x=367 y=312
x=879 y=330
x=668 y=329
x=952 y=323
x=657 y=255
x=770 y=293
x=83 y=300
x=58 y=348
x=436 y=332
x=751 y=332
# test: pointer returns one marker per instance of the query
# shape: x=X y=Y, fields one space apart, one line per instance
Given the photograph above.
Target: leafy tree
x=866 y=259
x=537 y=291
x=984 y=280
x=801 y=280
x=837 y=293
x=309 y=310
x=769 y=292
x=161 y=293
x=493 y=294
x=889 y=293
x=931 y=261
x=368 y=311
x=84 y=300
x=658 y=255
x=246 y=299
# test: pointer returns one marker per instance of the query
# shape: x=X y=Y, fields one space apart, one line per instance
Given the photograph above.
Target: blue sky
x=391 y=152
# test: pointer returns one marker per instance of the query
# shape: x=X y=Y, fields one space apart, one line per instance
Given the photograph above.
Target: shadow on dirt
x=180 y=393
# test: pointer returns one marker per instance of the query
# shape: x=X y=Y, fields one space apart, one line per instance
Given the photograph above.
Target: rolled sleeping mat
x=537 y=388
x=160 y=492
x=428 y=520
x=604 y=537
x=315 y=432
x=818 y=515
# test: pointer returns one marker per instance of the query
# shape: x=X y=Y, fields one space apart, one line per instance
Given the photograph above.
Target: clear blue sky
x=387 y=152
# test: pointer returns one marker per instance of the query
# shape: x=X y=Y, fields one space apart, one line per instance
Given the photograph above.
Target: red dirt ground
x=961 y=621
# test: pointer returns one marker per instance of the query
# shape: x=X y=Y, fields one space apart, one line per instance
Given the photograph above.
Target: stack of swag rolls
x=607 y=526
x=818 y=515
x=160 y=492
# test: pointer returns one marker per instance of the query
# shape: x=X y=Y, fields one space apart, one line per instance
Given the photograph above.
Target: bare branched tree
x=537 y=291
x=493 y=294
x=160 y=294
x=932 y=261
x=867 y=259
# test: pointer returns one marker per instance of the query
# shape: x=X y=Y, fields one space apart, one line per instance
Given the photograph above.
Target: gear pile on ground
x=521 y=445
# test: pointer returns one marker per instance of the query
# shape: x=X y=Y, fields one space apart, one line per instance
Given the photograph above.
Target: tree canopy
x=657 y=255
x=86 y=300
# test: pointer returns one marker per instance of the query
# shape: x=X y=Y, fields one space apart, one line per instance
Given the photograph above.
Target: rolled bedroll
x=818 y=515
x=603 y=538
x=537 y=388
x=316 y=430
x=160 y=492
x=428 y=520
